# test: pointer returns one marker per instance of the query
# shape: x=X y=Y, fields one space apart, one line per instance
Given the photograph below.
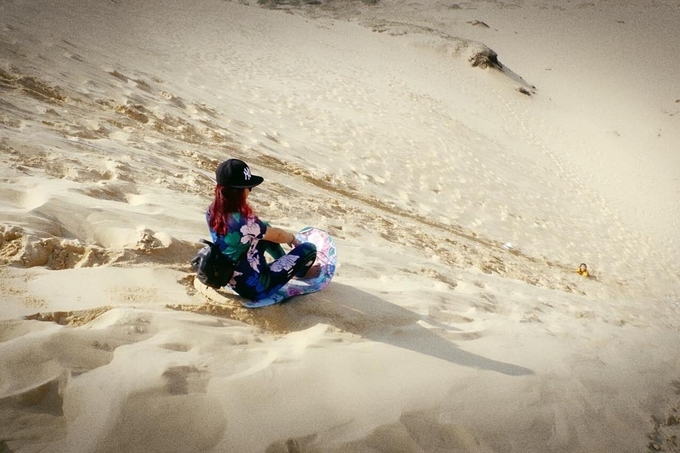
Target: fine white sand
x=462 y=196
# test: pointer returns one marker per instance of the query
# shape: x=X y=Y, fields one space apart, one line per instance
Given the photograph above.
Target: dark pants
x=272 y=276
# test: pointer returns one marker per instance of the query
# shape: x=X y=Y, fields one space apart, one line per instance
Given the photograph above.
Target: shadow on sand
x=370 y=317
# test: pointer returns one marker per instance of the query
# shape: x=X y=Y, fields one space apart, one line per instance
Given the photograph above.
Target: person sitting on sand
x=244 y=238
x=583 y=270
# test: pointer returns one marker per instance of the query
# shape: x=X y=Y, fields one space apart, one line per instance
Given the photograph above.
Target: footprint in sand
x=185 y=379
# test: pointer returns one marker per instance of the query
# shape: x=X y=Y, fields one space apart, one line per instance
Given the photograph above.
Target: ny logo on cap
x=246 y=173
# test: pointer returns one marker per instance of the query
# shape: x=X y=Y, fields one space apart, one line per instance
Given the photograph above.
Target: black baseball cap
x=236 y=173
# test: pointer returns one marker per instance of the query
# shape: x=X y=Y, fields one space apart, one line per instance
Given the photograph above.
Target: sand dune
x=465 y=156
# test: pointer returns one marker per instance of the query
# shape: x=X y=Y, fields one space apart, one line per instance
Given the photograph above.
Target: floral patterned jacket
x=245 y=246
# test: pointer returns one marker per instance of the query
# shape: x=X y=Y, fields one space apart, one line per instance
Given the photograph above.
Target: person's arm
x=280 y=236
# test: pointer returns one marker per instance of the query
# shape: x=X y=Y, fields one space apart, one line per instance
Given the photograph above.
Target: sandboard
x=326 y=256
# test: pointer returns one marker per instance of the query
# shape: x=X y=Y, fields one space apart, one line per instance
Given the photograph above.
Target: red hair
x=228 y=200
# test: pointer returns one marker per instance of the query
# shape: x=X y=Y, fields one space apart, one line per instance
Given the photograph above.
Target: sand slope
x=465 y=156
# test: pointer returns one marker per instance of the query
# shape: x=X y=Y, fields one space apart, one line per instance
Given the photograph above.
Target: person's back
x=245 y=239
